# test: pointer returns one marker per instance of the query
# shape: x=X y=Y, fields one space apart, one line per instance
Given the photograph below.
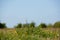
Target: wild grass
x=30 y=34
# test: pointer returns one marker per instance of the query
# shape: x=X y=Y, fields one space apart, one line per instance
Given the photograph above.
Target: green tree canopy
x=3 y=25
x=42 y=25
x=19 y=25
x=26 y=25
x=57 y=25
x=32 y=24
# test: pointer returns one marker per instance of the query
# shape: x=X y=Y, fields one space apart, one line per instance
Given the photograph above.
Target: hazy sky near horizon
x=16 y=11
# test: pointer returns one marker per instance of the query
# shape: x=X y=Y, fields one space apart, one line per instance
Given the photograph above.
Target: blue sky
x=13 y=12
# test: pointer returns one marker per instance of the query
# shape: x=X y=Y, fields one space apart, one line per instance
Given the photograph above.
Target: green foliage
x=43 y=25
x=29 y=34
x=32 y=24
x=19 y=25
x=36 y=33
x=26 y=25
x=3 y=25
x=57 y=25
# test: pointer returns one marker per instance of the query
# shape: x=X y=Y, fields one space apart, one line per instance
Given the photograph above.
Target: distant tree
x=43 y=25
x=26 y=25
x=50 y=26
x=3 y=25
x=57 y=25
x=19 y=25
x=32 y=24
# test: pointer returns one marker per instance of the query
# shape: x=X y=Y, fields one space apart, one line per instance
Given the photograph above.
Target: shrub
x=32 y=24
x=42 y=25
x=3 y=25
x=57 y=25
x=19 y=25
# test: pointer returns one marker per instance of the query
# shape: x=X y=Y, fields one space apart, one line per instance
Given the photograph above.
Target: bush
x=3 y=25
x=32 y=24
x=57 y=25
x=19 y=25
x=43 y=25
x=26 y=25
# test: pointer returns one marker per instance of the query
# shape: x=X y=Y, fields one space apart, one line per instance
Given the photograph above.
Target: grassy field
x=30 y=34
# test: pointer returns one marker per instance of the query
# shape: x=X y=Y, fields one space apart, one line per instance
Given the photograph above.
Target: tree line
x=32 y=24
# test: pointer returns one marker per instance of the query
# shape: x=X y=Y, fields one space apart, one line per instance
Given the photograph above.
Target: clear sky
x=16 y=11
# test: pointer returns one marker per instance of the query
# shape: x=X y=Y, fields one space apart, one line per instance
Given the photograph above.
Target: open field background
x=30 y=34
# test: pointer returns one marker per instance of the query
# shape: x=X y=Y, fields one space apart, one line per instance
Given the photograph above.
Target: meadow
x=35 y=33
